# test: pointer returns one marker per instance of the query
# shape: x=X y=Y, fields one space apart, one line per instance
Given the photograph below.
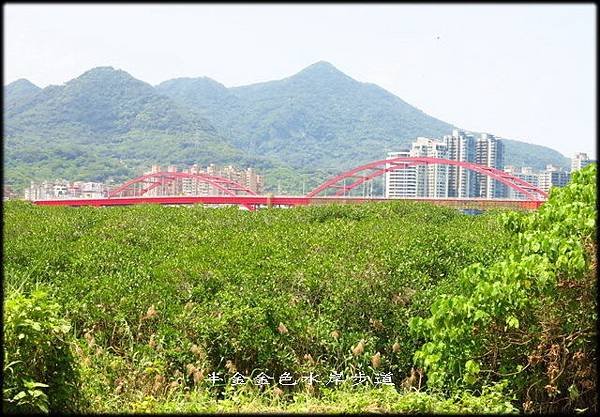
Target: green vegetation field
x=134 y=309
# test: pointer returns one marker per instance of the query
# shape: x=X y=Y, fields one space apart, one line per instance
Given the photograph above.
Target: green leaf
x=573 y=392
x=20 y=395
x=480 y=314
x=64 y=328
x=512 y=321
x=472 y=367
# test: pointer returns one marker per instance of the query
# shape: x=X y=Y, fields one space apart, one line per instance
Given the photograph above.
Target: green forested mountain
x=104 y=124
x=317 y=118
x=320 y=118
x=105 y=101
x=107 y=124
x=202 y=94
x=18 y=94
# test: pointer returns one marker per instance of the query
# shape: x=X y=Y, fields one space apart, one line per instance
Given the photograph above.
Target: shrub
x=532 y=310
x=39 y=369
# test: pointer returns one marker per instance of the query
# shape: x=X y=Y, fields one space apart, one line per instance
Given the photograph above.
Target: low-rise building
x=48 y=190
x=8 y=193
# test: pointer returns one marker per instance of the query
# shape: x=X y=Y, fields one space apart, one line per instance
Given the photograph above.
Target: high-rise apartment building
x=165 y=188
x=489 y=151
x=432 y=179
x=461 y=147
x=524 y=173
x=253 y=181
x=192 y=186
x=402 y=182
x=579 y=160
x=248 y=177
x=441 y=181
x=419 y=180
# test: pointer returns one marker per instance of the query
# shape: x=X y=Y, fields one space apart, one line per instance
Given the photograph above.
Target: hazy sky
x=526 y=72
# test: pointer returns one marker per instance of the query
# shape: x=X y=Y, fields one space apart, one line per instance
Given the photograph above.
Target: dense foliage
x=157 y=298
x=107 y=124
x=18 y=93
x=531 y=315
x=37 y=347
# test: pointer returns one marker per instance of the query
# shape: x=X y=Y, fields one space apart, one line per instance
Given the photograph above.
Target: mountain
x=18 y=93
x=297 y=131
x=320 y=117
x=108 y=101
x=103 y=124
x=201 y=92
x=20 y=89
x=317 y=118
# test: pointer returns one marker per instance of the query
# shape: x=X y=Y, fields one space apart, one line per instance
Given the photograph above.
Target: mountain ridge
x=106 y=124
x=393 y=121
x=317 y=120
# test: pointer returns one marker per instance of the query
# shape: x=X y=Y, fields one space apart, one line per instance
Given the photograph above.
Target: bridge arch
x=141 y=185
x=367 y=172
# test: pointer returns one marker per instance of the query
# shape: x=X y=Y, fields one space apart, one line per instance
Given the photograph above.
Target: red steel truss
x=132 y=191
x=157 y=179
x=366 y=172
x=139 y=186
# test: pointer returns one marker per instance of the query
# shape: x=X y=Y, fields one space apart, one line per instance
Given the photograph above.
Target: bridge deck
x=266 y=200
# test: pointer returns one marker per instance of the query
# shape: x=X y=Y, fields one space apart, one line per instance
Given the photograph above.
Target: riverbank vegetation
x=144 y=308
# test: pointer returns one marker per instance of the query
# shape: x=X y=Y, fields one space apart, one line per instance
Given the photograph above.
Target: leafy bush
x=534 y=310
x=39 y=370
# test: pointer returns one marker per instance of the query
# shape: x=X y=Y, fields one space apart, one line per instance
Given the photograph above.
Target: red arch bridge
x=167 y=187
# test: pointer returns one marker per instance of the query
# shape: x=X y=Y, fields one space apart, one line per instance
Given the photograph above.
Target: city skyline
x=412 y=181
x=532 y=66
x=452 y=181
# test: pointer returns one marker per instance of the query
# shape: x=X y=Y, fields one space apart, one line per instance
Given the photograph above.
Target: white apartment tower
x=432 y=179
x=400 y=183
x=580 y=160
x=419 y=180
x=553 y=176
x=524 y=173
x=489 y=152
x=461 y=147
x=193 y=186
